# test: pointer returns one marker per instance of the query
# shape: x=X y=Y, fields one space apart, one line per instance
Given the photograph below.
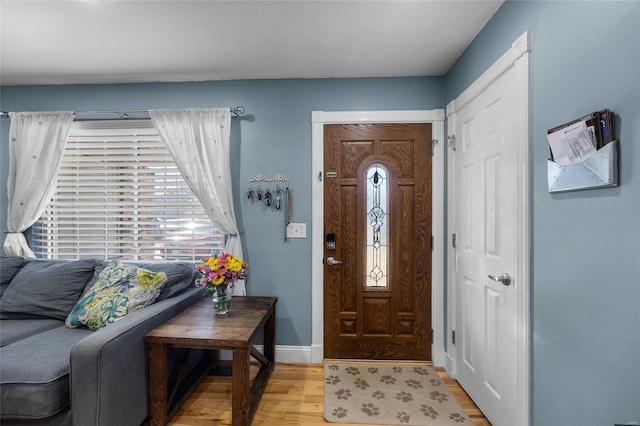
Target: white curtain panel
x=198 y=140
x=36 y=145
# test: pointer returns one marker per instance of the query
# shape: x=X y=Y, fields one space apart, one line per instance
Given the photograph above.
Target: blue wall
x=586 y=245
x=274 y=138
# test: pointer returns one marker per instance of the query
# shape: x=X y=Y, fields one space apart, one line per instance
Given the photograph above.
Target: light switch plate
x=297 y=230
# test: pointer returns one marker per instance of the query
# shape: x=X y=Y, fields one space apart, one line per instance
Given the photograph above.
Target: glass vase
x=221 y=299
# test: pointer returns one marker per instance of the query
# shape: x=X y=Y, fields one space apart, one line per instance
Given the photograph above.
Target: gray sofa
x=54 y=375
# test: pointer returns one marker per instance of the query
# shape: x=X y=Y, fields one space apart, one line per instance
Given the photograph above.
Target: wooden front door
x=377 y=254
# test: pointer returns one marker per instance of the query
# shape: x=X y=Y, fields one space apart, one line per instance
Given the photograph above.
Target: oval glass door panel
x=377 y=265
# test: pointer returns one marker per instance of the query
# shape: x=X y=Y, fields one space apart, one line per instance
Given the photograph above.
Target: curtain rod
x=124 y=114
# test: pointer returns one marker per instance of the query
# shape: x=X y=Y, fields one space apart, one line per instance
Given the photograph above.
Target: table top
x=198 y=326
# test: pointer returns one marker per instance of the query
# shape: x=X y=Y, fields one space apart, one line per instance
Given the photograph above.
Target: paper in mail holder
x=600 y=170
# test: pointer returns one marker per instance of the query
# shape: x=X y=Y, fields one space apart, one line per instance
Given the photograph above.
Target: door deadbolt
x=331 y=241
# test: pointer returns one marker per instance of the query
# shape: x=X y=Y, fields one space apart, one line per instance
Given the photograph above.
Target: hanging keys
x=267 y=197
x=250 y=193
x=271 y=197
x=277 y=198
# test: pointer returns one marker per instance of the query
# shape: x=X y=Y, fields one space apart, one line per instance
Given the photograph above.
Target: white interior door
x=486 y=168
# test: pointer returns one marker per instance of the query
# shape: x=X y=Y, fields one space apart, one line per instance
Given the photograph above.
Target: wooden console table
x=197 y=327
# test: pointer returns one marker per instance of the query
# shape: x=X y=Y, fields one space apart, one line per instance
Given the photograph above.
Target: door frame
x=318 y=120
x=518 y=56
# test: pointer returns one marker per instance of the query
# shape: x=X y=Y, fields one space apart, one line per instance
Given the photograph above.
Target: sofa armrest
x=109 y=372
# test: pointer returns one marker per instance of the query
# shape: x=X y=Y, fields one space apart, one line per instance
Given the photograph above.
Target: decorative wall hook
x=270 y=196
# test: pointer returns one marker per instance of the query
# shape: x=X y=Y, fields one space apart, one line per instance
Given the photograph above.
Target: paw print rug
x=389 y=394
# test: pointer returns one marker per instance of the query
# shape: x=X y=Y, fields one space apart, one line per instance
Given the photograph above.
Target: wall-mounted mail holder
x=600 y=170
x=584 y=154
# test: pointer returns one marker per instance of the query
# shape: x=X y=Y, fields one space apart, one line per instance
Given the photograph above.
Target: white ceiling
x=110 y=41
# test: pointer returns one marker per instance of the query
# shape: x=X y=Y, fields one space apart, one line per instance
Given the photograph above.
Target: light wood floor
x=293 y=396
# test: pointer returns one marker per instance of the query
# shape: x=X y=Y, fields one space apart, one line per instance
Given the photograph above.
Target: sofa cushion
x=9 y=267
x=46 y=288
x=119 y=290
x=180 y=275
x=34 y=374
x=12 y=330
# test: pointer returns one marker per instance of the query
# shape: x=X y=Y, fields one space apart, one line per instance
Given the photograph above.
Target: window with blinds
x=120 y=195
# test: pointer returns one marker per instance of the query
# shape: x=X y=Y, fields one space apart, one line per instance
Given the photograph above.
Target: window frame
x=187 y=233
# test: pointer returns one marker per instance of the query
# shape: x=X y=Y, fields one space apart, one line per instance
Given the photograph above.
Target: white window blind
x=120 y=195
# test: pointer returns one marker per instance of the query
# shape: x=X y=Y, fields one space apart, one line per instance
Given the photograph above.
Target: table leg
x=157 y=384
x=270 y=337
x=240 y=388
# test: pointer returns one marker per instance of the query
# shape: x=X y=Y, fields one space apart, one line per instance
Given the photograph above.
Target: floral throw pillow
x=120 y=289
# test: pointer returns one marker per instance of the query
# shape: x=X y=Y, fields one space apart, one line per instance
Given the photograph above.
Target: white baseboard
x=294 y=354
x=439 y=357
x=313 y=355
x=448 y=365
x=317 y=353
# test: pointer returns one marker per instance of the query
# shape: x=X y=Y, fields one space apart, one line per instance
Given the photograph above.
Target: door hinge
x=453 y=240
x=432 y=242
x=452 y=142
x=432 y=336
x=453 y=337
